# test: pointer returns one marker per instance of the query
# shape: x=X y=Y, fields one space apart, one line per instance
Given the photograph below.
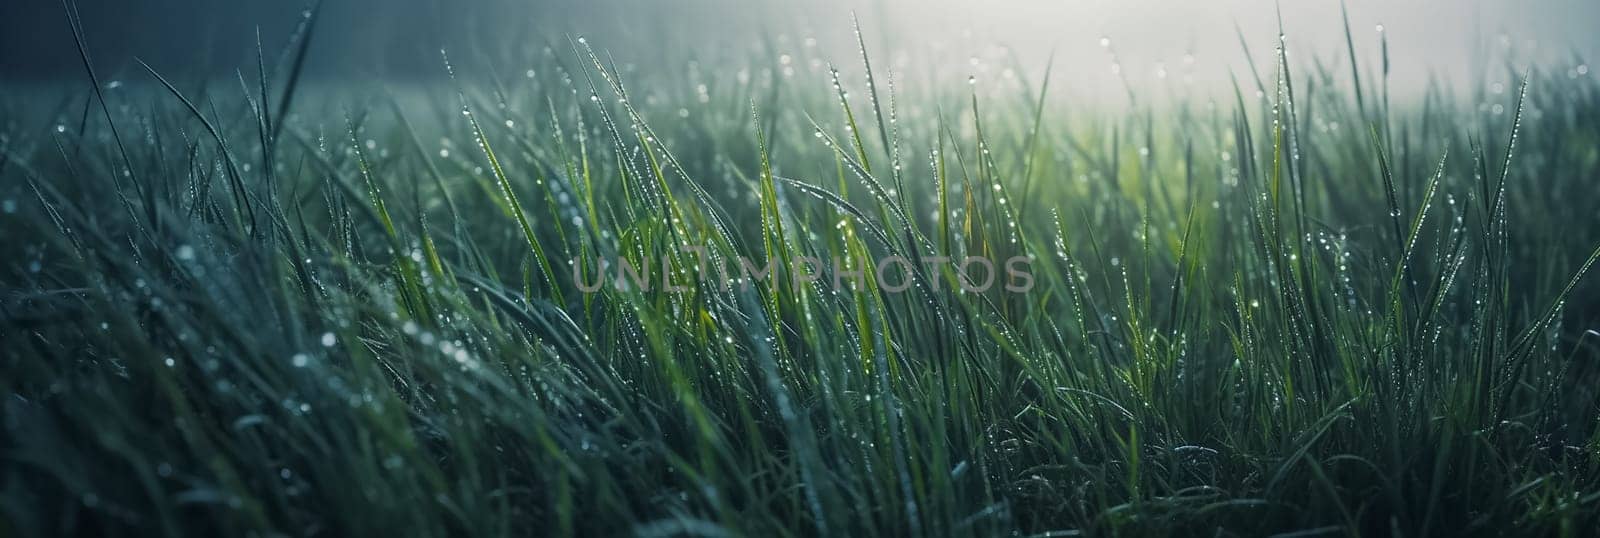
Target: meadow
x=256 y=307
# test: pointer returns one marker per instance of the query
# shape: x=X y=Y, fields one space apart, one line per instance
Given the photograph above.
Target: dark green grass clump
x=240 y=309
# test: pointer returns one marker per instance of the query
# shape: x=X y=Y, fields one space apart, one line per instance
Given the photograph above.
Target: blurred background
x=1095 y=43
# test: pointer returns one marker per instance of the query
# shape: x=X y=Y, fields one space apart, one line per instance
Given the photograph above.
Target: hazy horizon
x=1151 y=42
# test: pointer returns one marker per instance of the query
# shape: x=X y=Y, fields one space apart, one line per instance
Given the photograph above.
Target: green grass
x=243 y=308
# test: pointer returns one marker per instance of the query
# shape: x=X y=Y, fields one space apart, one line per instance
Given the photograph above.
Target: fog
x=1150 y=41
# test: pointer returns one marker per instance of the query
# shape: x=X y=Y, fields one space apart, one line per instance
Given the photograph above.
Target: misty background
x=1094 y=43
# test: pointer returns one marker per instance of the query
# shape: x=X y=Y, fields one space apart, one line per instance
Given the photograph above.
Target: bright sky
x=1457 y=40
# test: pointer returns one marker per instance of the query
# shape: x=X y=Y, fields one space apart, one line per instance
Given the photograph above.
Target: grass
x=242 y=308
